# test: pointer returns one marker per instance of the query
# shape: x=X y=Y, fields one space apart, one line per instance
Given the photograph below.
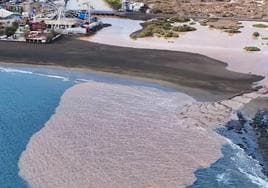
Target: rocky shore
x=254 y=123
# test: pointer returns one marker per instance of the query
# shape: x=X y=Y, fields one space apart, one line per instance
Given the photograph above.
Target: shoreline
x=139 y=79
x=212 y=123
x=215 y=44
x=113 y=134
x=187 y=71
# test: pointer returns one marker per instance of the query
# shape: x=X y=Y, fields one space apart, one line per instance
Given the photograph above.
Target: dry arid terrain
x=221 y=8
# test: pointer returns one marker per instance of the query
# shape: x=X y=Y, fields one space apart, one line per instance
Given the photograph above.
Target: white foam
x=223 y=178
x=54 y=76
x=249 y=167
x=3 y=69
x=81 y=80
x=263 y=183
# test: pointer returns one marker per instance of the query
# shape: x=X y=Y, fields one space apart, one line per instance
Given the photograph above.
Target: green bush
x=179 y=19
x=15 y=25
x=256 y=34
x=145 y=33
x=183 y=28
x=115 y=4
x=9 y=31
x=167 y=26
x=260 y=25
x=158 y=30
x=171 y=34
x=232 y=31
x=2 y=32
x=160 y=27
x=252 y=48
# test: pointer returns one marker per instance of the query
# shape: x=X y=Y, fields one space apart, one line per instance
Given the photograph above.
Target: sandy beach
x=210 y=42
x=199 y=76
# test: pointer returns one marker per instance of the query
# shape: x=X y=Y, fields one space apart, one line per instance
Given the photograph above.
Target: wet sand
x=191 y=72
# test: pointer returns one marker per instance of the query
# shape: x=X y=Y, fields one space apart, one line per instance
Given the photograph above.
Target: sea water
x=28 y=98
x=234 y=170
x=26 y=102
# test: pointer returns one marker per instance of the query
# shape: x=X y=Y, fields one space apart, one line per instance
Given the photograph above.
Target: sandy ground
x=206 y=41
x=84 y=5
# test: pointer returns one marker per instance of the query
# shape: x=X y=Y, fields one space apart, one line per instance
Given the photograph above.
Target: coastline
x=149 y=113
x=192 y=122
x=198 y=76
x=186 y=70
x=25 y=108
x=215 y=44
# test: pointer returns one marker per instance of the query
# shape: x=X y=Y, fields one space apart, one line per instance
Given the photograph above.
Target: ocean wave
x=249 y=167
x=3 y=69
x=80 y=80
x=223 y=178
x=54 y=76
x=261 y=182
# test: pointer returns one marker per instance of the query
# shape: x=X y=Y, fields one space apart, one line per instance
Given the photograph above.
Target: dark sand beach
x=181 y=69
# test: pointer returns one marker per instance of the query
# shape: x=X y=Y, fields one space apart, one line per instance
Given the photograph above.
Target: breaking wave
x=234 y=169
x=10 y=70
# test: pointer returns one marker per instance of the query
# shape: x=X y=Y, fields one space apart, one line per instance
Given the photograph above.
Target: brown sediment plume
x=108 y=135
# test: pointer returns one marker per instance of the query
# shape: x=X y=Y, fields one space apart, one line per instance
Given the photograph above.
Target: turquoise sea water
x=26 y=102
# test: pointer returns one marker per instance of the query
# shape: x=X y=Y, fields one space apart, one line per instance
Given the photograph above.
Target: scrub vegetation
x=260 y=25
x=252 y=49
x=163 y=27
x=115 y=4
